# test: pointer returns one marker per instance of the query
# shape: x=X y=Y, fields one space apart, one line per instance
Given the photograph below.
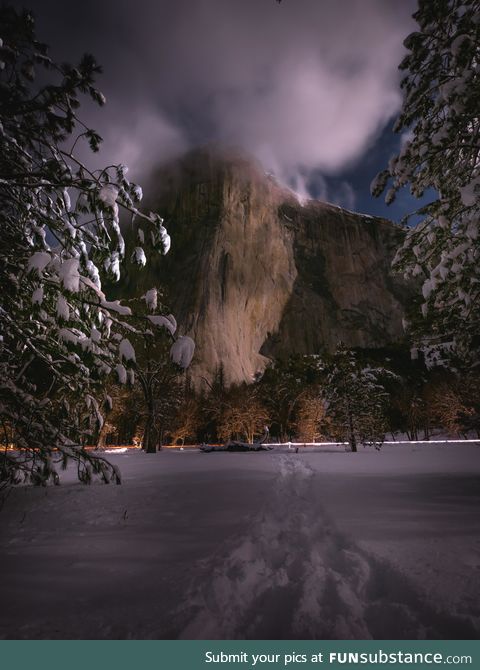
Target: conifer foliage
x=440 y=159
x=356 y=399
x=60 y=336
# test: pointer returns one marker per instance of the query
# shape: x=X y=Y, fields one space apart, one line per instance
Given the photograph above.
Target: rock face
x=253 y=274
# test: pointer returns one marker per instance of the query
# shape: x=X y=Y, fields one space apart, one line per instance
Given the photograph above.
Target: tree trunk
x=102 y=437
x=150 y=436
x=352 y=439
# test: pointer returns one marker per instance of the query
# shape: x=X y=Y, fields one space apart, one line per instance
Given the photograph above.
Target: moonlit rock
x=254 y=282
x=182 y=351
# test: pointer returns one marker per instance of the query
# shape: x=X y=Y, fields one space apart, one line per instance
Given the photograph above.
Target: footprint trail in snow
x=293 y=576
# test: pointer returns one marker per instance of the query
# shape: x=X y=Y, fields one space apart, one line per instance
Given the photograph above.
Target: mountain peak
x=253 y=274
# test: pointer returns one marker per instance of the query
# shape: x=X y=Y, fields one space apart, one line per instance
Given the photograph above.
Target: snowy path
x=294 y=576
x=263 y=545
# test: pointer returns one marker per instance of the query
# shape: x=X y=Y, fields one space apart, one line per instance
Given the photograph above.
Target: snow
x=167 y=322
x=472 y=230
x=112 y=265
x=66 y=199
x=137 y=192
x=166 y=240
x=269 y=545
x=121 y=373
x=63 y=311
x=151 y=299
x=115 y=306
x=68 y=336
x=428 y=287
x=38 y=261
x=182 y=351
x=468 y=195
x=93 y=281
x=108 y=194
x=126 y=351
x=69 y=275
x=37 y=296
x=139 y=257
x=95 y=335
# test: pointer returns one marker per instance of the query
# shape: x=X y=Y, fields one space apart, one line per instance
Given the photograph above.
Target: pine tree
x=158 y=391
x=440 y=158
x=61 y=338
x=356 y=399
x=282 y=387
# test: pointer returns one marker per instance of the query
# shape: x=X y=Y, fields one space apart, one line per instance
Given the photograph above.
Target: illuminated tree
x=356 y=399
x=440 y=159
x=61 y=338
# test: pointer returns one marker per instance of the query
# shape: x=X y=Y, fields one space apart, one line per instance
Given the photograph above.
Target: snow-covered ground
x=315 y=544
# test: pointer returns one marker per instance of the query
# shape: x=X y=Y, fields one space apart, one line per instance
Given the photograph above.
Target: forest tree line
x=367 y=396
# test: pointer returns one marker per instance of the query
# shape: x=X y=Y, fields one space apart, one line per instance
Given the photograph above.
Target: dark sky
x=310 y=87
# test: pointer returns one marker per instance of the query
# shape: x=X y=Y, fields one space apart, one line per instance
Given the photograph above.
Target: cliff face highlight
x=254 y=274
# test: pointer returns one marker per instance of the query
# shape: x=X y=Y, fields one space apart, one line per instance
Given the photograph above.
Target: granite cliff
x=254 y=274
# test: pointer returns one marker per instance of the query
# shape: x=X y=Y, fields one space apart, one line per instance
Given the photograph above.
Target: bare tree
x=312 y=420
x=187 y=421
x=242 y=414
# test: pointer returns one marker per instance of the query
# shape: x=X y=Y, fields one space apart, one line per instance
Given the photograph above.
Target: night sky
x=310 y=87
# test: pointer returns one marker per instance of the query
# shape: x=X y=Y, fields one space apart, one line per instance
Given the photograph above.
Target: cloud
x=345 y=196
x=149 y=135
x=308 y=184
x=304 y=85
